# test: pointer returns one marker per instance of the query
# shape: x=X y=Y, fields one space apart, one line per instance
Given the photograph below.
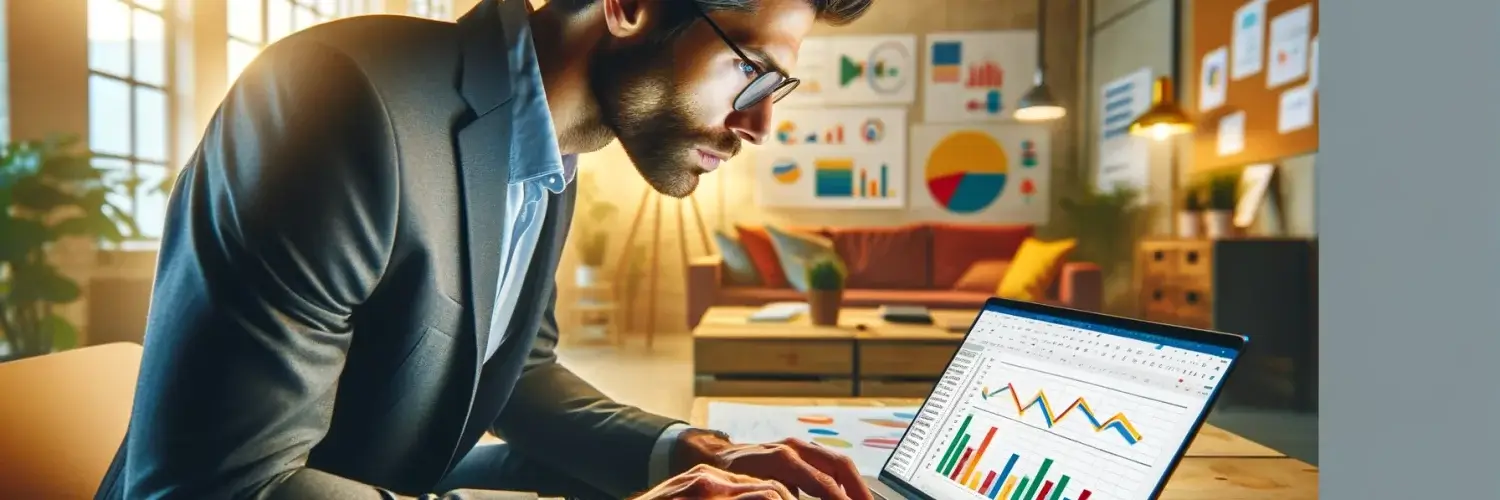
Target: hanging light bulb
x=1038 y=105
x=1165 y=119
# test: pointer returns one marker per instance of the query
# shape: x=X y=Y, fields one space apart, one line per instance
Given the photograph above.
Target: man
x=356 y=277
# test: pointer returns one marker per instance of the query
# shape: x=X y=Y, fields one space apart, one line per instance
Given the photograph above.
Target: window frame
x=427 y=10
x=167 y=16
x=341 y=9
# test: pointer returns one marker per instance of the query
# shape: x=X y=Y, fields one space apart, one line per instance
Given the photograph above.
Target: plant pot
x=1218 y=223
x=1189 y=224
x=824 y=305
x=586 y=275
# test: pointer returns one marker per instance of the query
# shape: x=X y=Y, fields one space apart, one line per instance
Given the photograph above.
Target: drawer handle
x=1192 y=297
x=1192 y=257
x=1158 y=255
x=1156 y=295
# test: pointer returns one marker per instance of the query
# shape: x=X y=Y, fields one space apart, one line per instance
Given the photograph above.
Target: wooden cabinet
x=1261 y=288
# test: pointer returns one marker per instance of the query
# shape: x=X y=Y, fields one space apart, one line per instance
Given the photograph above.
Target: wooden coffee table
x=861 y=356
x=1218 y=464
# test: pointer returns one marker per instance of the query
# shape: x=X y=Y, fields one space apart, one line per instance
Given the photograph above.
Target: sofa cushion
x=886 y=257
x=763 y=254
x=956 y=246
x=983 y=276
x=935 y=299
x=739 y=268
x=798 y=252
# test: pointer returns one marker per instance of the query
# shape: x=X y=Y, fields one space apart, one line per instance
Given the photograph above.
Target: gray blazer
x=327 y=274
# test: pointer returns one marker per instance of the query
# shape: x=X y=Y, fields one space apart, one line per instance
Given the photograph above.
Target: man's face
x=671 y=102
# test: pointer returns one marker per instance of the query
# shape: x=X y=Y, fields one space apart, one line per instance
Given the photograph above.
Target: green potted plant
x=825 y=290
x=48 y=191
x=1190 y=217
x=1220 y=196
x=592 y=230
x=1107 y=225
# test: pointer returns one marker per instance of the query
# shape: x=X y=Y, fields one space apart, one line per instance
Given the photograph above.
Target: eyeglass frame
x=760 y=69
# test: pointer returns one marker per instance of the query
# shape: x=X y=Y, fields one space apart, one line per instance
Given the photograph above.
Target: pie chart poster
x=995 y=173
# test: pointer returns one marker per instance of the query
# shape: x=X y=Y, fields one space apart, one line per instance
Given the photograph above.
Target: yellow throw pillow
x=1034 y=268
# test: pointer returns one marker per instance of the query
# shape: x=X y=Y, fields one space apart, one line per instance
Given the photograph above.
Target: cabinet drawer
x=1195 y=261
x=773 y=357
x=1158 y=260
x=1157 y=301
x=1194 y=306
x=905 y=359
x=708 y=386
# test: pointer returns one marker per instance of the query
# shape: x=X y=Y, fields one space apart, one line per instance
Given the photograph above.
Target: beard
x=640 y=102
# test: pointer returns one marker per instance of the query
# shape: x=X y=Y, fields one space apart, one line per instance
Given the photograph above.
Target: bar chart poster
x=844 y=158
x=995 y=172
x=977 y=76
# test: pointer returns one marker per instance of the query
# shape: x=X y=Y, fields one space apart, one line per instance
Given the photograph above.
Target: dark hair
x=832 y=12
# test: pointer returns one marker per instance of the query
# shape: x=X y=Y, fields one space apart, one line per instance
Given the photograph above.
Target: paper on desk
x=866 y=435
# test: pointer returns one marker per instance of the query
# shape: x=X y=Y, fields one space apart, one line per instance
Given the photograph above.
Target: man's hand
x=798 y=465
x=707 y=482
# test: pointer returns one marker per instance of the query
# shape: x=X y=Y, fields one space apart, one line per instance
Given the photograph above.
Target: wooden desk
x=861 y=356
x=1218 y=465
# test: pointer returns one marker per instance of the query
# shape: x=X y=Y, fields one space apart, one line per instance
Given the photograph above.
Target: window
x=129 y=94
x=254 y=24
x=432 y=9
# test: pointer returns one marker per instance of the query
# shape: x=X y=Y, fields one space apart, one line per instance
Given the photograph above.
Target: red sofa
x=916 y=264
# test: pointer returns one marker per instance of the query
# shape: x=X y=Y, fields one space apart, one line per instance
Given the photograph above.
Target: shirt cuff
x=659 y=468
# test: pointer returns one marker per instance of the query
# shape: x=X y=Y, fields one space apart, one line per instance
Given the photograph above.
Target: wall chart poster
x=866 y=70
x=994 y=172
x=814 y=70
x=977 y=76
x=834 y=158
x=1124 y=159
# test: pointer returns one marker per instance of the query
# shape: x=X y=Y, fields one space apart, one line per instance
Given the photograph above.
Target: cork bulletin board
x=1251 y=112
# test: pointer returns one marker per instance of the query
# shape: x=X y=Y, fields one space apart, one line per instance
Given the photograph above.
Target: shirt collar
x=534 y=153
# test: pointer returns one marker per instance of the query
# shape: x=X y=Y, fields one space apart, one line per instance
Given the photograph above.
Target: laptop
x=1048 y=403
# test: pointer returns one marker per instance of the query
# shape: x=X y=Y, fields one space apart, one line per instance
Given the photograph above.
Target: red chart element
x=986 y=75
x=942 y=188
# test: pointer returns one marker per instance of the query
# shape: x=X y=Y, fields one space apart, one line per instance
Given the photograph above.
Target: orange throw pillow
x=762 y=253
x=982 y=276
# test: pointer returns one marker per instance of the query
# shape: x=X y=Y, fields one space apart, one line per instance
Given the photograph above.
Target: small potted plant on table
x=1190 y=218
x=825 y=290
x=1218 y=219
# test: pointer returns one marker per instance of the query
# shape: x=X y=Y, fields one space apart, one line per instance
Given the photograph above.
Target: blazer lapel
x=483 y=149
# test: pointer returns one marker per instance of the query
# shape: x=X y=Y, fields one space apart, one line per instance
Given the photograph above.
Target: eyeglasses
x=767 y=82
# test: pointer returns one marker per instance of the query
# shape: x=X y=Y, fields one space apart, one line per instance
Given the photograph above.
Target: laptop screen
x=1038 y=407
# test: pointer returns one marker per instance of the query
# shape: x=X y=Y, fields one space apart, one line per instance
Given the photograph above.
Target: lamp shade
x=1165 y=119
x=1038 y=105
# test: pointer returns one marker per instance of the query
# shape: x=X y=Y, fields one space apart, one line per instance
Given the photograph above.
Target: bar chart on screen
x=1001 y=459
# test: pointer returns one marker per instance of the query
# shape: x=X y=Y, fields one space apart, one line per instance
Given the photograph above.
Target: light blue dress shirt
x=537 y=167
